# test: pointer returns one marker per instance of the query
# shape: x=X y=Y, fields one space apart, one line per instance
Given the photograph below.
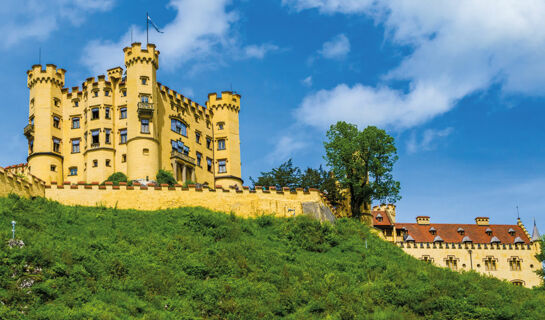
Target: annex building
x=129 y=122
x=506 y=252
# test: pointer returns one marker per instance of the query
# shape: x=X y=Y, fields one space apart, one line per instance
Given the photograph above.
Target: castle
x=129 y=123
x=507 y=252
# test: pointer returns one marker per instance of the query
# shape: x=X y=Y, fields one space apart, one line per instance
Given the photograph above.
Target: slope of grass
x=191 y=263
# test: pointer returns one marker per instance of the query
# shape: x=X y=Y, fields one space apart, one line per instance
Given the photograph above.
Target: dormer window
x=511 y=232
x=461 y=231
x=495 y=240
x=467 y=239
x=379 y=217
x=409 y=238
x=433 y=231
x=488 y=231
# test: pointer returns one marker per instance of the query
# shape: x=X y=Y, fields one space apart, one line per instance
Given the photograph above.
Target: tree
x=323 y=180
x=165 y=177
x=116 y=178
x=362 y=161
x=286 y=175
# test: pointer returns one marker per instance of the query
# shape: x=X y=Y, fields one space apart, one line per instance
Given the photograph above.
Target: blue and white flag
x=153 y=24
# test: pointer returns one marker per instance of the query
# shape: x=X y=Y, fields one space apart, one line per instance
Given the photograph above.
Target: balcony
x=183 y=157
x=29 y=130
x=145 y=108
x=95 y=145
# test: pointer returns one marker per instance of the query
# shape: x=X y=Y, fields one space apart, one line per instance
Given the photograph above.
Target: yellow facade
x=507 y=259
x=130 y=123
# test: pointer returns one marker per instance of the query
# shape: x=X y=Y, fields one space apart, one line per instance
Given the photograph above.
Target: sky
x=460 y=85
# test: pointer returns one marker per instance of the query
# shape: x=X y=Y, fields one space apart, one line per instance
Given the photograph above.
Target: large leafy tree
x=362 y=161
x=323 y=180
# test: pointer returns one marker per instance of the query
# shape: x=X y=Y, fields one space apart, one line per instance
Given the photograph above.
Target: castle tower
x=143 y=146
x=227 y=165
x=44 y=131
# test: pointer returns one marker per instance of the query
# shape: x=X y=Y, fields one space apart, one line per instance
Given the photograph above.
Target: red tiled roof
x=385 y=218
x=449 y=233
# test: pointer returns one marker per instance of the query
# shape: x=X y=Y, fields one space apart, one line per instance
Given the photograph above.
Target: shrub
x=164 y=176
x=116 y=178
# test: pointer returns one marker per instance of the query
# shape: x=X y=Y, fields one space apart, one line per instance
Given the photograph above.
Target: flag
x=153 y=24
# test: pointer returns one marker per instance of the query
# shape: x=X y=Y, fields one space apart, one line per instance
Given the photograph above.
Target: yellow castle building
x=507 y=252
x=129 y=122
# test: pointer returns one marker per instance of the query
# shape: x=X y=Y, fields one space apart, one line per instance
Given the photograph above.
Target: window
x=221 y=125
x=518 y=283
x=124 y=93
x=145 y=151
x=123 y=113
x=31 y=145
x=144 y=80
x=107 y=113
x=209 y=143
x=107 y=136
x=108 y=163
x=198 y=137
x=95 y=93
x=490 y=264
x=56 y=102
x=123 y=135
x=95 y=141
x=32 y=121
x=221 y=144
x=53 y=168
x=94 y=114
x=452 y=263
x=123 y=158
x=178 y=127
x=426 y=259
x=95 y=163
x=209 y=164
x=515 y=264
x=144 y=125
x=75 y=146
x=76 y=104
x=144 y=99
x=56 y=145
x=199 y=158
x=75 y=123
x=73 y=171
x=107 y=93
x=56 y=122
x=221 y=166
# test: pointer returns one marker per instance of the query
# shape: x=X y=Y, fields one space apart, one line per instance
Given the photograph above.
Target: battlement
x=226 y=99
x=28 y=186
x=180 y=98
x=244 y=202
x=467 y=246
x=135 y=54
x=115 y=73
x=51 y=74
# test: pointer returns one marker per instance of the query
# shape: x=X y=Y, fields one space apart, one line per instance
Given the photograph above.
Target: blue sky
x=459 y=84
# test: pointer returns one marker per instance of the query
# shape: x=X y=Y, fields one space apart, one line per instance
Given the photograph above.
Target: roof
x=449 y=232
x=385 y=218
x=535 y=234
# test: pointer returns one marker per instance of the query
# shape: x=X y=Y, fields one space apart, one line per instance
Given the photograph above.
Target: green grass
x=191 y=263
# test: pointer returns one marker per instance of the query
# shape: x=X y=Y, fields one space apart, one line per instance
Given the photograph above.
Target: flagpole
x=147 y=28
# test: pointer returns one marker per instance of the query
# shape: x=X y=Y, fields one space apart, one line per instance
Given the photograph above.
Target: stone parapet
x=28 y=186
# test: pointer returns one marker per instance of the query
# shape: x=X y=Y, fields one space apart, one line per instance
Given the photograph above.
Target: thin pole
x=147 y=28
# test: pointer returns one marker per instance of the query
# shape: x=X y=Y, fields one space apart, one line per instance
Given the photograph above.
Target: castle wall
x=244 y=203
x=472 y=257
x=28 y=187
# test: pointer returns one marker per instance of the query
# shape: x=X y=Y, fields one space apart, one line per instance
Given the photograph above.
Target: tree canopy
x=362 y=162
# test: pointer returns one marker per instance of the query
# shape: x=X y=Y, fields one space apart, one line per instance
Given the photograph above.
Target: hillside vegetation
x=191 y=263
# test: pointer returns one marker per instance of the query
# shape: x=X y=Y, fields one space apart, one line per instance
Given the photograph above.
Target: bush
x=116 y=178
x=165 y=177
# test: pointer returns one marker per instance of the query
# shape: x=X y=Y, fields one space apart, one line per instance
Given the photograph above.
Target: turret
x=227 y=165
x=142 y=130
x=44 y=131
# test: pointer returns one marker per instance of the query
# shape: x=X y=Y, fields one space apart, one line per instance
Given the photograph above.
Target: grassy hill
x=191 y=263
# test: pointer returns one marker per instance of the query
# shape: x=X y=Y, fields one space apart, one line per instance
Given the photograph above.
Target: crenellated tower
x=143 y=135
x=227 y=166
x=44 y=129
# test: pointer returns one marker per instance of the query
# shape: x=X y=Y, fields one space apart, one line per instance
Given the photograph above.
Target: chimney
x=423 y=220
x=482 y=221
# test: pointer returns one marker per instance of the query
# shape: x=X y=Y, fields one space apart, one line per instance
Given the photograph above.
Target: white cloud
x=200 y=30
x=336 y=48
x=307 y=82
x=427 y=141
x=35 y=19
x=259 y=51
x=285 y=147
x=458 y=48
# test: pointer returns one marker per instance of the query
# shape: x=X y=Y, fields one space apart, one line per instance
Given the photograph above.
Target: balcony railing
x=181 y=156
x=95 y=145
x=145 y=108
x=29 y=130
